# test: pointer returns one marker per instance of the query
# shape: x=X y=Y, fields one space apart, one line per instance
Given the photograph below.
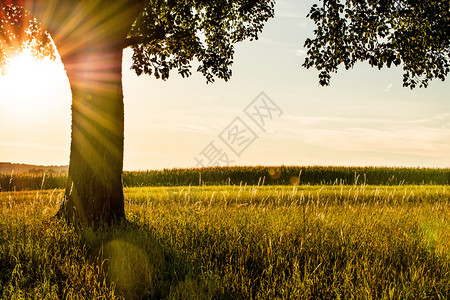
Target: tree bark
x=94 y=191
x=90 y=36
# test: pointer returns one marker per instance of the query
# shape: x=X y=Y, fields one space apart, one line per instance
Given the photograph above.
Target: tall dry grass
x=234 y=242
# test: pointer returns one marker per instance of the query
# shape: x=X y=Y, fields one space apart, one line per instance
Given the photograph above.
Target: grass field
x=234 y=242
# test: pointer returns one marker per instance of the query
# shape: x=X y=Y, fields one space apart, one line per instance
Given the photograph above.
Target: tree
x=414 y=33
x=90 y=36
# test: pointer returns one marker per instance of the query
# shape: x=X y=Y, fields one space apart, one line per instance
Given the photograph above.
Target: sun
x=35 y=110
x=29 y=84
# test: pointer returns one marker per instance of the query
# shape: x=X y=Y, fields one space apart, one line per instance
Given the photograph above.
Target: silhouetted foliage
x=170 y=34
x=166 y=34
x=19 y=30
x=411 y=33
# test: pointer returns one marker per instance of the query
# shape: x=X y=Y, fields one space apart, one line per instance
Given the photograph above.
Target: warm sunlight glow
x=29 y=85
x=35 y=111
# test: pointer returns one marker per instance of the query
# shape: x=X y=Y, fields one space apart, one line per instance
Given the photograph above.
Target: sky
x=365 y=118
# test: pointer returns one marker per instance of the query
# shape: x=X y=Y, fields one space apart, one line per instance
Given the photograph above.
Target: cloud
x=440 y=117
x=287 y=14
x=272 y=42
x=432 y=142
x=382 y=122
x=301 y=52
x=189 y=127
x=330 y=121
x=426 y=137
x=439 y=121
x=386 y=89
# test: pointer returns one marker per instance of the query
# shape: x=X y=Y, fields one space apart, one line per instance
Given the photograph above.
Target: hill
x=6 y=167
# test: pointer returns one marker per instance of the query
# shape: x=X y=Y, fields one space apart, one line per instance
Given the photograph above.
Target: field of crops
x=260 y=175
x=234 y=242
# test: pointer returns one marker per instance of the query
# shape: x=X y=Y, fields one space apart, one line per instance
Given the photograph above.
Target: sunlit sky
x=365 y=118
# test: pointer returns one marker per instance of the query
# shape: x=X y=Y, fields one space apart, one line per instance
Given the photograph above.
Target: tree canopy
x=179 y=31
x=411 y=33
x=169 y=34
x=166 y=35
x=19 y=30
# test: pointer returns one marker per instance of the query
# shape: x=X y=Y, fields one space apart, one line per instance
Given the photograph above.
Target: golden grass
x=226 y=242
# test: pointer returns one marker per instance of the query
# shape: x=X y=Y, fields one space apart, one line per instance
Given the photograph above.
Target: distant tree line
x=260 y=175
x=42 y=171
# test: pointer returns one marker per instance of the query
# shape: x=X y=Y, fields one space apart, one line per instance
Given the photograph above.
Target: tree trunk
x=89 y=36
x=94 y=191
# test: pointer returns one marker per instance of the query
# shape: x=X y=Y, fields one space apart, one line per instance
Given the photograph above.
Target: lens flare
x=29 y=84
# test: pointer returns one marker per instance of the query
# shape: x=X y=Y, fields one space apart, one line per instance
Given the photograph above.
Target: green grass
x=228 y=242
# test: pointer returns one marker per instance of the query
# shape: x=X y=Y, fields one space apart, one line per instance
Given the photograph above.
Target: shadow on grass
x=129 y=258
x=50 y=260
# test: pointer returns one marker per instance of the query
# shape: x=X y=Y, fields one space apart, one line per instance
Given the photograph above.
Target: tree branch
x=136 y=40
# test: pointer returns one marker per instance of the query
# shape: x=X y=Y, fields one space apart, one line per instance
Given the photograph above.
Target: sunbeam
x=29 y=84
